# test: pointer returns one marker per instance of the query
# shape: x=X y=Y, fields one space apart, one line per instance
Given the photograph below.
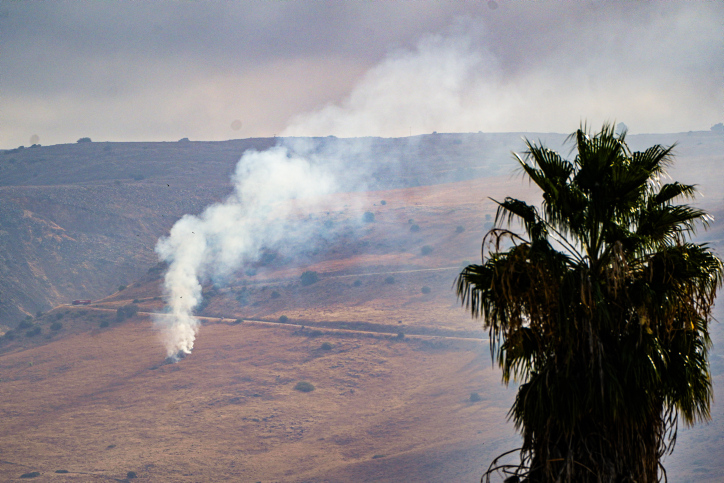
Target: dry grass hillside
x=403 y=384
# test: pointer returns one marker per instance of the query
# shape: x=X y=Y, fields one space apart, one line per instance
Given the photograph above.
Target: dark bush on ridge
x=309 y=277
x=283 y=319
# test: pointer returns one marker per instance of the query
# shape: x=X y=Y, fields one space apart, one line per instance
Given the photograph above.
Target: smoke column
x=409 y=88
x=228 y=234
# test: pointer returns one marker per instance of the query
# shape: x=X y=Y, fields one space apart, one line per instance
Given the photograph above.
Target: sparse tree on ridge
x=600 y=311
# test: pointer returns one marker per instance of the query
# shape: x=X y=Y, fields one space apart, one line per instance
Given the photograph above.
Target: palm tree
x=600 y=311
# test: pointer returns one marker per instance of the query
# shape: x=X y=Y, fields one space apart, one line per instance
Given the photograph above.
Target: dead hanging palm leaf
x=600 y=311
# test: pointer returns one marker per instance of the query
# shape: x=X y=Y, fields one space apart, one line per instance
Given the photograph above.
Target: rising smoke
x=272 y=188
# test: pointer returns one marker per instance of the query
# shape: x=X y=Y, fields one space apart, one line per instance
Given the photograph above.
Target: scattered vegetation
x=304 y=386
x=34 y=331
x=25 y=324
x=309 y=277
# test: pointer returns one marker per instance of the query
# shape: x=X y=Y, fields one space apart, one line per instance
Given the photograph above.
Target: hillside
x=393 y=357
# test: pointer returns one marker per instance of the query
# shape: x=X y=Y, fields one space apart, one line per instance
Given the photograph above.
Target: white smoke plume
x=228 y=234
x=440 y=77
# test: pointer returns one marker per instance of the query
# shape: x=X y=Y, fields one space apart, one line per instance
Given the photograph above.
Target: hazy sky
x=155 y=71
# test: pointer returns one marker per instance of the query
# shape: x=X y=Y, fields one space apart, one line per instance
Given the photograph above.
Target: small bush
x=400 y=335
x=283 y=319
x=33 y=332
x=309 y=277
x=126 y=312
x=426 y=290
x=121 y=288
x=56 y=326
x=61 y=471
x=84 y=140
x=415 y=228
x=426 y=250
x=38 y=314
x=238 y=321
x=326 y=346
x=357 y=283
x=368 y=217
x=131 y=474
x=390 y=280
x=459 y=229
x=32 y=474
x=136 y=301
x=304 y=386
x=104 y=324
x=9 y=335
x=59 y=315
x=275 y=295
x=383 y=202
x=25 y=324
x=475 y=397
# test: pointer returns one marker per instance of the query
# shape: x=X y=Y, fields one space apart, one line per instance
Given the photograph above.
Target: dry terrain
x=403 y=385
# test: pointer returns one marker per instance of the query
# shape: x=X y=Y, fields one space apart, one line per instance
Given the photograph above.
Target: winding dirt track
x=230 y=321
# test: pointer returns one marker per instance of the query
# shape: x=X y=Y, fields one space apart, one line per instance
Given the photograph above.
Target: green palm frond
x=600 y=311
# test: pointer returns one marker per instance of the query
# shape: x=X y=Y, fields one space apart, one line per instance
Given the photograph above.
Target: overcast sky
x=160 y=71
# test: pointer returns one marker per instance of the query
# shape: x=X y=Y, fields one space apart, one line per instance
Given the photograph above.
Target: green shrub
x=130 y=475
x=32 y=474
x=357 y=283
x=59 y=315
x=383 y=202
x=426 y=290
x=415 y=228
x=400 y=335
x=38 y=314
x=426 y=250
x=104 y=323
x=309 y=277
x=33 y=332
x=326 y=346
x=126 y=312
x=368 y=217
x=475 y=397
x=275 y=294
x=304 y=386
x=390 y=280
x=459 y=229
x=25 y=324
x=56 y=326
x=283 y=319
x=61 y=471
x=136 y=301
x=9 y=335
x=84 y=140
x=238 y=321
x=121 y=288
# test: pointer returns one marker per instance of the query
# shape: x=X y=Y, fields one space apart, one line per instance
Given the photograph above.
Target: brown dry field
x=101 y=402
